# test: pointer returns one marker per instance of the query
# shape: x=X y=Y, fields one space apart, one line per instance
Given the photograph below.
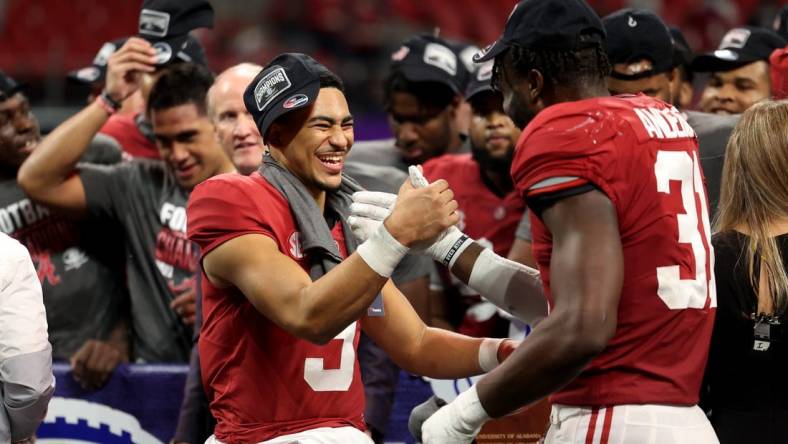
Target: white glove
x=370 y=208
x=456 y=423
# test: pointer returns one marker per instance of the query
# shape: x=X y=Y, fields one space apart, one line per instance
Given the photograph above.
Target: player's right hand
x=94 y=363
x=126 y=66
x=421 y=214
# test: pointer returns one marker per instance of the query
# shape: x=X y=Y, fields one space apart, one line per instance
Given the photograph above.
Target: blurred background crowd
x=42 y=40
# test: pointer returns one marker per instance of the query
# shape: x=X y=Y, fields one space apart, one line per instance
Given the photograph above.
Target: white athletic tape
x=488 y=354
x=378 y=198
x=417 y=179
x=382 y=252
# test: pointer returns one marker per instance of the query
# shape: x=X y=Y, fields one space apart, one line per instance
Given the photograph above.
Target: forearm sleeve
x=511 y=286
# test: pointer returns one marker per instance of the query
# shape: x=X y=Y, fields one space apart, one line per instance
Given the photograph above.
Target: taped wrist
x=450 y=247
x=469 y=411
x=488 y=353
x=509 y=285
x=382 y=252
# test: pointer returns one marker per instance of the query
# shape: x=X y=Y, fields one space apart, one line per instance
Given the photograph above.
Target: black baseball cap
x=427 y=58
x=682 y=52
x=166 y=25
x=98 y=69
x=547 y=24
x=739 y=47
x=9 y=86
x=634 y=35
x=780 y=24
x=465 y=52
x=289 y=82
x=480 y=80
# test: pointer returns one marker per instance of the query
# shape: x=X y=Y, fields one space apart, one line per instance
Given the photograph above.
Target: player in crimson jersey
x=284 y=294
x=621 y=234
x=489 y=207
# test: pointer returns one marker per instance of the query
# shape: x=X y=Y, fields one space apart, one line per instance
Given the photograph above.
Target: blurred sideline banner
x=140 y=405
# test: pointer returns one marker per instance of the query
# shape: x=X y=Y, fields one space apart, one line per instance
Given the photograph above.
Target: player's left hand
x=456 y=423
x=369 y=209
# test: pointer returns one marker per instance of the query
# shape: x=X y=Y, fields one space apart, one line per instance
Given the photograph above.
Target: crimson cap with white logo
x=166 y=25
x=561 y=25
x=289 y=82
x=739 y=47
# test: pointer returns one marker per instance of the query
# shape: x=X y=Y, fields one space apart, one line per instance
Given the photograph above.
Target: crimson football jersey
x=643 y=155
x=261 y=381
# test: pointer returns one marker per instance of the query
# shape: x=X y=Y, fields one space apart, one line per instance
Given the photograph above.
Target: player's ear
x=454 y=105
x=536 y=85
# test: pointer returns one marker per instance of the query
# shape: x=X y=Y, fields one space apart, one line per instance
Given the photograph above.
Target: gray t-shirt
x=713 y=133
x=378 y=153
x=389 y=179
x=145 y=198
x=79 y=264
x=384 y=153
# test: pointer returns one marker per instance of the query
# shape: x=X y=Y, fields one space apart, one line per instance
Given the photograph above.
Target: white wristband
x=488 y=354
x=382 y=252
x=450 y=247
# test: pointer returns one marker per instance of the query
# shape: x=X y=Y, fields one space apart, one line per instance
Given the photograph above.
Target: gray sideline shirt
x=144 y=197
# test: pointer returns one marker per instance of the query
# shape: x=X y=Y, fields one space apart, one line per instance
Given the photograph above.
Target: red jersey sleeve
x=563 y=152
x=222 y=208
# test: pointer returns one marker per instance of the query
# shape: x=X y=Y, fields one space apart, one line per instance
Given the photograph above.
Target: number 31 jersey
x=643 y=155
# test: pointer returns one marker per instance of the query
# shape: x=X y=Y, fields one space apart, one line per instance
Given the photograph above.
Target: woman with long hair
x=747 y=374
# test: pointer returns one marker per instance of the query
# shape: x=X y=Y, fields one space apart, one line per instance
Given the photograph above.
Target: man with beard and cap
x=422 y=93
x=288 y=288
x=146 y=197
x=621 y=234
x=489 y=207
x=738 y=70
x=165 y=24
x=646 y=59
x=78 y=262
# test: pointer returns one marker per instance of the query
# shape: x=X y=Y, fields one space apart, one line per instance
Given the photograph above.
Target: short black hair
x=330 y=80
x=559 y=67
x=180 y=84
x=434 y=95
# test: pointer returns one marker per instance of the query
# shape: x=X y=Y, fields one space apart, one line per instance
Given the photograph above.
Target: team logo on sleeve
x=155 y=23
x=270 y=86
x=294 y=242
